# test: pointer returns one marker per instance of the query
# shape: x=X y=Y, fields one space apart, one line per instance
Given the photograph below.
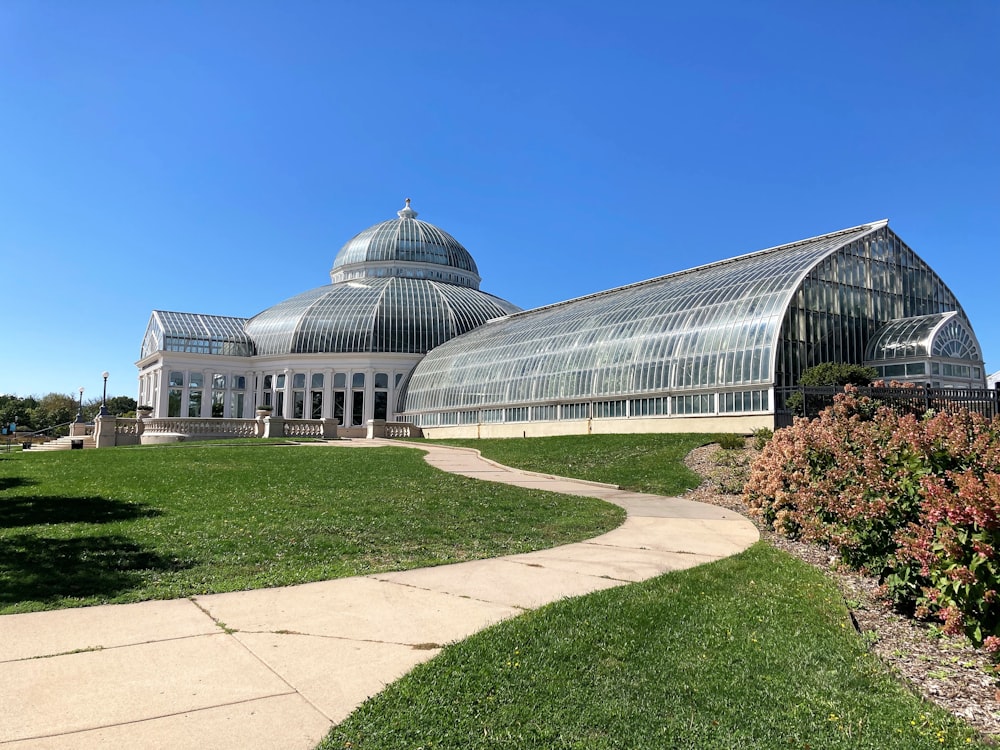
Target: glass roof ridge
x=201 y=315
x=860 y=228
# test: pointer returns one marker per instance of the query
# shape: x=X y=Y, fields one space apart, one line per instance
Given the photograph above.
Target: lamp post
x=79 y=410
x=104 y=398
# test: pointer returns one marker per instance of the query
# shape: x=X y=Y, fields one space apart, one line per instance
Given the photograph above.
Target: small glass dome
x=405 y=247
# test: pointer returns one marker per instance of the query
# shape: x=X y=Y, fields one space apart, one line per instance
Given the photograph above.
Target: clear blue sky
x=214 y=156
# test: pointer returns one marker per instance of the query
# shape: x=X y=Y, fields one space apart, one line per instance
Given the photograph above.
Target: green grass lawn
x=756 y=651
x=122 y=525
x=641 y=463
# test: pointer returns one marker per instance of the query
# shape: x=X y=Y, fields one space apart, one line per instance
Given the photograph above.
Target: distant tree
x=54 y=409
x=838 y=373
x=121 y=405
x=17 y=409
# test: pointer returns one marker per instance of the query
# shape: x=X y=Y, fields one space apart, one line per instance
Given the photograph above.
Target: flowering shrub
x=848 y=480
x=914 y=500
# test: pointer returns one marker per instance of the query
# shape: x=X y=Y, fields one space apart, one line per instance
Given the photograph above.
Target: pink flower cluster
x=914 y=500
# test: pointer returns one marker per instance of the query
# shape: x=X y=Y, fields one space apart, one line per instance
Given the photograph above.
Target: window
x=299 y=380
x=174 y=402
x=194 y=403
x=236 y=402
x=381 y=396
x=358 y=407
x=176 y=381
x=575 y=411
x=338 y=406
x=545 y=413
x=517 y=414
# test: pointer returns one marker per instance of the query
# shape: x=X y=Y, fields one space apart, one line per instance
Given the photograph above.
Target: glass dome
x=393 y=314
x=405 y=247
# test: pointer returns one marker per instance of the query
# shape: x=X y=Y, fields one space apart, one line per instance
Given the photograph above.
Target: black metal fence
x=810 y=401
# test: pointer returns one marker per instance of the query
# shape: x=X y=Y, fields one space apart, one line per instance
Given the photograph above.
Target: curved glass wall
x=955 y=340
x=710 y=340
x=405 y=247
x=195 y=333
x=373 y=315
x=850 y=295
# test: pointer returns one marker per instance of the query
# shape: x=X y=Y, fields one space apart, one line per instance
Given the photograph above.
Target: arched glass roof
x=940 y=335
x=711 y=326
x=196 y=333
x=373 y=314
x=406 y=247
x=737 y=326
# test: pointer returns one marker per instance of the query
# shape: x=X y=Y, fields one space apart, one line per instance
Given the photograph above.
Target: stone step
x=63 y=444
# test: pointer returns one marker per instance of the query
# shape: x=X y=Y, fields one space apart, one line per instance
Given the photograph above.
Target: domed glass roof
x=393 y=314
x=405 y=247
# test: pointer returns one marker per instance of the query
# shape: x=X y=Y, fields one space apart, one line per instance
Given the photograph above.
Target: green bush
x=731 y=441
x=761 y=437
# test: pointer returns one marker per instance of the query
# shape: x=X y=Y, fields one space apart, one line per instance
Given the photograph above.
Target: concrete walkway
x=276 y=668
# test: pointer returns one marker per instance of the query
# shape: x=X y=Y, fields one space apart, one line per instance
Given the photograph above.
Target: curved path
x=276 y=668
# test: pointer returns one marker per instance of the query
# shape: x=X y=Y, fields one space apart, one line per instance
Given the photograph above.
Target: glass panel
x=298 y=404
x=267 y=382
x=340 y=380
x=381 y=404
x=317 y=380
x=197 y=380
x=239 y=383
x=176 y=381
x=236 y=402
x=218 y=403
x=174 y=402
x=358 y=408
x=194 y=403
x=317 y=405
x=299 y=380
x=219 y=381
x=280 y=382
x=338 y=406
x=358 y=380
x=381 y=380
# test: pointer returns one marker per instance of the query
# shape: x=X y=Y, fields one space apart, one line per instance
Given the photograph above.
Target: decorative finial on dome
x=406 y=212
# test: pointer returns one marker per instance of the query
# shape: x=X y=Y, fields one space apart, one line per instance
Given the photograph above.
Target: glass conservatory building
x=398 y=289
x=403 y=333
x=708 y=349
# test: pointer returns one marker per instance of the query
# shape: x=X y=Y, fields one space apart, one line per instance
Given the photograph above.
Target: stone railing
x=111 y=431
x=201 y=428
x=127 y=431
x=379 y=428
x=309 y=428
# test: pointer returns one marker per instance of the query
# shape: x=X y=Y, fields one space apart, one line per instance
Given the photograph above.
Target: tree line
x=32 y=414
